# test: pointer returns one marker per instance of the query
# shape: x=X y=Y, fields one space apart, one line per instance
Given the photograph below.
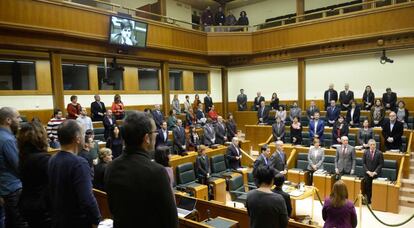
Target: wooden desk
x=187 y=223
x=219 y=189
x=379 y=192
x=257 y=134
x=309 y=192
x=200 y=191
x=220 y=222
x=319 y=182
x=329 y=182
x=393 y=200
x=350 y=184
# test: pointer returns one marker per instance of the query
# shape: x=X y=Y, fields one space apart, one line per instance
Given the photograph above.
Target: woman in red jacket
x=118 y=107
x=73 y=108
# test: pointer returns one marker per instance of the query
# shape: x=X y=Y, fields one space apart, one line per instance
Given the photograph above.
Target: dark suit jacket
x=200 y=114
x=208 y=102
x=370 y=97
x=158 y=118
x=160 y=140
x=392 y=100
x=342 y=132
x=373 y=165
x=277 y=162
x=209 y=134
x=231 y=156
x=179 y=139
x=231 y=129
x=260 y=161
x=95 y=108
x=257 y=101
x=220 y=130
x=137 y=186
x=202 y=166
x=319 y=129
x=355 y=117
x=286 y=197
x=333 y=114
x=310 y=112
x=242 y=102
x=396 y=133
x=346 y=98
x=265 y=115
x=109 y=127
x=278 y=131
x=334 y=96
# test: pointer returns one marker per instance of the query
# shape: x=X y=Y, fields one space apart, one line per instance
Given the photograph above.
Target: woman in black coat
x=353 y=115
x=34 y=202
x=105 y=157
x=368 y=98
x=114 y=142
x=231 y=127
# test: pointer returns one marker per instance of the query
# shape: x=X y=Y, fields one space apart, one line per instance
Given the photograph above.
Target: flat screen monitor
x=127 y=32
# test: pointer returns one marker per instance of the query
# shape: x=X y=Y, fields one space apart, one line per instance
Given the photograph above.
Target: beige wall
x=179 y=11
x=314 y=4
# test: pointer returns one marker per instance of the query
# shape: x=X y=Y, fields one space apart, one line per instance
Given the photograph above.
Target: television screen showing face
x=127 y=32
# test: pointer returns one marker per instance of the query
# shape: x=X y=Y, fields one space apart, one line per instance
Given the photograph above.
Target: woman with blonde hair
x=105 y=157
x=337 y=210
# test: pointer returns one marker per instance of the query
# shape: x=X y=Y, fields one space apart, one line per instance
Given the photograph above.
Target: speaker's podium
x=379 y=195
x=298 y=175
x=220 y=222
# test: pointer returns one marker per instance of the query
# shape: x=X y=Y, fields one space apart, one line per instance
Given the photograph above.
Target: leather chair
x=237 y=190
x=390 y=170
x=219 y=167
x=186 y=179
x=99 y=133
x=329 y=164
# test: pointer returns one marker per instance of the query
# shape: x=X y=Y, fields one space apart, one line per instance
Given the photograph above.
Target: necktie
x=329 y=96
x=372 y=155
x=281 y=156
x=100 y=105
x=343 y=150
x=316 y=126
x=262 y=112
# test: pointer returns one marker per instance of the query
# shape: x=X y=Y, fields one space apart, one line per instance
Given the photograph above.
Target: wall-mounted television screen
x=127 y=32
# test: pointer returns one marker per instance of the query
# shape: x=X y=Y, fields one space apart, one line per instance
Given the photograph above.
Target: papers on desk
x=107 y=223
x=395 y=151
x=242 y=169
x=296 y=193
x=320 y=172
x=382 y=179
x=358 y=147
x=336 y=146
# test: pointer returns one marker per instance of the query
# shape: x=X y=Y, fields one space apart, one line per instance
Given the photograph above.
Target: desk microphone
x=208 y=215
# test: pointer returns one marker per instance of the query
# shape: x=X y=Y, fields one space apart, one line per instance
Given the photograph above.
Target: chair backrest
x=102 y=200
x=218 y=164
x=327 y=143
x=236 y=184
x=329 y=163
x=351 y=136
x=302 y=161
x=305 y=134
x=287 y=137
x=390 y=170
x=359 y=168
x=327 y=136
x=185 y=173
x=306 y=142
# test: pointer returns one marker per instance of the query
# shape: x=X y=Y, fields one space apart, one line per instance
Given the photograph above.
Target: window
x=114 y=79
x=200 y=81
x=176 y=80
x=17 y=75
x=148 y=79
x=75 y=77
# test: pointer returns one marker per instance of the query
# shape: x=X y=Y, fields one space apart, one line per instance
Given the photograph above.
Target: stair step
x=407 y=183
x=404 y=191
x=407 y=201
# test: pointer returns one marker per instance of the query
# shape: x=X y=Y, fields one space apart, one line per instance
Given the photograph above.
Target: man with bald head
x=392 y=131
x=345 y=97
x=157 y=115
x=329 y=95
x=234 y=154
x=97 y=109
x=345 y=159
x=10 y=184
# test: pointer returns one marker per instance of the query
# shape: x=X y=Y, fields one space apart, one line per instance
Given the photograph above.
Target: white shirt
x=86 y=122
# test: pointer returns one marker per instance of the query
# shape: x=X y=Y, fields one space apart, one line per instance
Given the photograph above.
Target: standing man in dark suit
x=373 y=160
x=97 y=109
x=345 y=158
x=263 y=114
x=220 y=129
x=242 y=101
x=258 y=101
x=353 y=115
x=263 y=159
x=345 y=97
x=137 y=186
x=157 y=116
x=316 y=127
x=208 y=102
x=234 y=154
x=392 y=131
x=278 y=130
x=179 y=138
x=311 y=110
x=278 y=181
x=332 y=113
x=389 y=99
x=162 y=136
x=209 y=133
x=200 y=115
x=202 y=165
x=109 y=122
x=329 y=95
x=278 y=159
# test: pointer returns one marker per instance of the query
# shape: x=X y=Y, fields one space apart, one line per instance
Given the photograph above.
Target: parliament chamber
x=53 y=50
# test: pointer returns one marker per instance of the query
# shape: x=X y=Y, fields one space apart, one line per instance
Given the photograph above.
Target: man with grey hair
x=179 y=138
x=278 y=159
x=373 y=160
x=157 y=115
x=392 y=131
x=345 y=97
x=220 y=130
x=234 y=154
x=10 y=184
x=97 y=109
x=329 y=95
x=345 y=158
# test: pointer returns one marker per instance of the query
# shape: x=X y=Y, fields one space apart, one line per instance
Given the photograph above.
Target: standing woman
x=114 y=142
x=176 y=105
x=196 y=102
x=118 y=107
x=243 y=19
x=281 y=112
x=105 y=157
x=34 y=201
x=377 y=113
x=316 y=156
x=402 y=113
x=187 y=104
x=365 y=133
x=353 y=114
x=339 y=129
x=274 y=102
x=337 y=210
x=73 y=108
x=162 y=156
x=368 y=98
x=231 y=127
x=296 y=131
x=194 y=141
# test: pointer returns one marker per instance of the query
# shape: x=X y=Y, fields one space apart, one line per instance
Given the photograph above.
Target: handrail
x=319 y=12
x=246 y=158
x=291 y=157
x=398 y=182
x=409 y=143
x=107 y=3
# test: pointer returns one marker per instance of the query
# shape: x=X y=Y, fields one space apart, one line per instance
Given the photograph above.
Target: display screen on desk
x=127 y=32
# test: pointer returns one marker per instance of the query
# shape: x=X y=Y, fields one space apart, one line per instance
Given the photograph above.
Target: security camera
x=384 y=59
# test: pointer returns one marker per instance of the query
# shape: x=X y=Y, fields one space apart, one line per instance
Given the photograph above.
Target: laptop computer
x=185 y=206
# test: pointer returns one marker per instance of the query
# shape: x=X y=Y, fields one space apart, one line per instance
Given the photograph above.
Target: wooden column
x=300 y=9
x=224 y=92
x=302 y=84
x=165 y=87
x=163 y=7
x=57 y=81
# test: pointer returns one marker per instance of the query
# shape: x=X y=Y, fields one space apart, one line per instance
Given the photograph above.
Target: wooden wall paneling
x=131 y=79
x=57 y=81
x=165 y=86
x=229 y=43
x=188 y=80
x=300 y=9
x=43 y=77
x=93 y=78
x=43 y=115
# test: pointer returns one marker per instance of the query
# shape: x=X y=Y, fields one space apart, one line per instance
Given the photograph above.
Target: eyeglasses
x=153 y=132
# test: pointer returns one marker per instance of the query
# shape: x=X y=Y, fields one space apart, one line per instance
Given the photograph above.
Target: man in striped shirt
x=52 y=127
